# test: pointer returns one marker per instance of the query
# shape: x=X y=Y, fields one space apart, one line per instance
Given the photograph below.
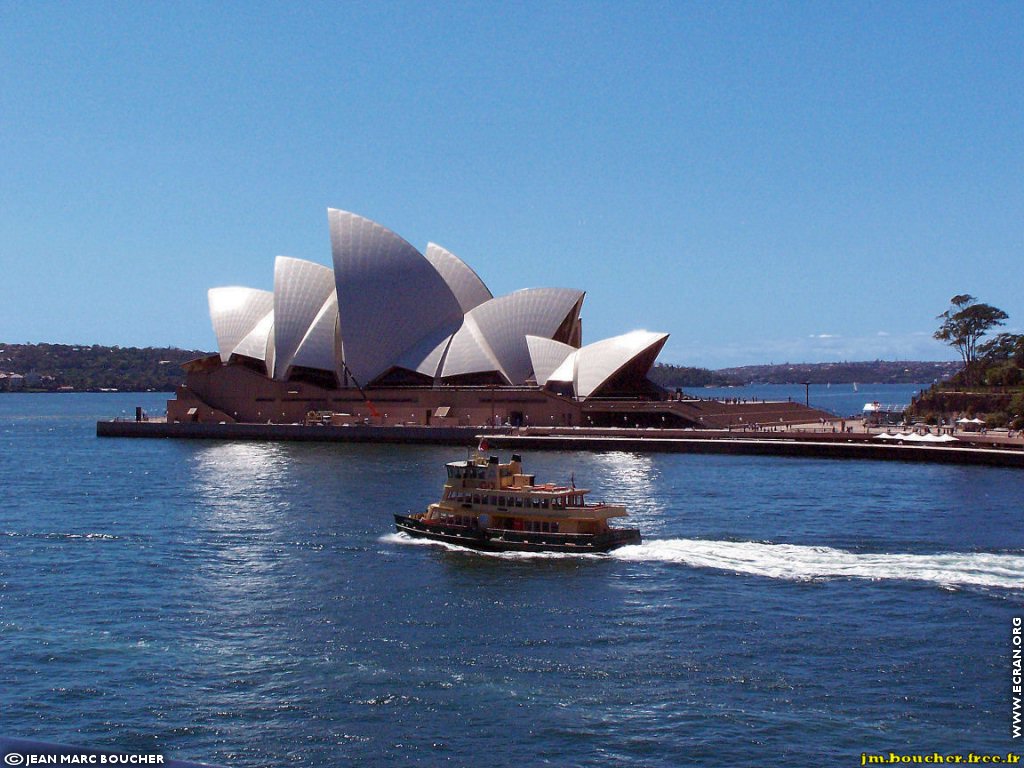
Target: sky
x=767 y=182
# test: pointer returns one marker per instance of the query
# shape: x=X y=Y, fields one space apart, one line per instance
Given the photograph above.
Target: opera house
x=395 y=336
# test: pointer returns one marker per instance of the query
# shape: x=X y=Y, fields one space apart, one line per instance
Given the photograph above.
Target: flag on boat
x=483 y=445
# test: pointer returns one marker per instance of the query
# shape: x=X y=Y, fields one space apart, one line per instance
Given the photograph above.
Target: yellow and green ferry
x=497 y=507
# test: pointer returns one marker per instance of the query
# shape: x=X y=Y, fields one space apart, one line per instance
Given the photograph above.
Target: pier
x=811 y=441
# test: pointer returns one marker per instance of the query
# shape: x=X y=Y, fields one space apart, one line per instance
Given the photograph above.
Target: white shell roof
x=469 y=352
x=317 y=349
x=301 y=289
x=259 y=342
x=426 y=356
x=493 y=335
x=390 y=298
x=234 y=312
x=386 y=305
x=590 y=367
x=467 y=286
x=546 y=355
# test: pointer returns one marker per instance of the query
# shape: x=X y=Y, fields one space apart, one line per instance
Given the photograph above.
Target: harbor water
x=248 y=604
x=840 y=399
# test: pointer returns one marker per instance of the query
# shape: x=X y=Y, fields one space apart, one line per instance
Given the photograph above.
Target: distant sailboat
x=855 y=386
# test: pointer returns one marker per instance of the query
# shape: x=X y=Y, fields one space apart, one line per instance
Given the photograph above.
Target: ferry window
x=476 y=499
x=554 y=527
x=494 y=500
x=536 y=503
x=545 y=527
x=544 y=503
x=519 y=502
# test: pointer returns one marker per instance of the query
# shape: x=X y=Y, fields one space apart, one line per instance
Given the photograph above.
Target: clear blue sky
x=768 y=182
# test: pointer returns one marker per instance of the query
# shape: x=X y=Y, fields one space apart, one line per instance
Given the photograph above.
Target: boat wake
x=402 y=538
x=802 y=563
x=61 y=536
x=794 y=562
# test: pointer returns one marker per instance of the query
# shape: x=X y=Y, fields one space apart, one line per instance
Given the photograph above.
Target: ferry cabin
x=482 y=493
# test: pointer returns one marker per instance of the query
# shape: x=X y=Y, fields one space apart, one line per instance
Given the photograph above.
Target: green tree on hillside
x=1004 y=347
x=964 y=324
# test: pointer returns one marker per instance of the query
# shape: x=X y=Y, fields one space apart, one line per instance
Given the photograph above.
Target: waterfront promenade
x=838 y=439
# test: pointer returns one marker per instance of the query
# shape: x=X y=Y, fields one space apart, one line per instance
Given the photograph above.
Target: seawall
x=768 y=446
x=792 y=443
x=357 y=433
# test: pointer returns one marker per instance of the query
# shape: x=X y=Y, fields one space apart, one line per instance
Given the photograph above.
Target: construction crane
x=369 y=404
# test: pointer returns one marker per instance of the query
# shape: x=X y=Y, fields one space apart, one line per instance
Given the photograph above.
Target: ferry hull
x=498 y=540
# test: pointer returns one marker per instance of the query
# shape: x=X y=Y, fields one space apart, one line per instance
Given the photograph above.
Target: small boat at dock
x=487 y=505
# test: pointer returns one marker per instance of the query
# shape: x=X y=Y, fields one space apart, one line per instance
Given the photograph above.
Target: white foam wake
x=793 y=561
x=402 y=538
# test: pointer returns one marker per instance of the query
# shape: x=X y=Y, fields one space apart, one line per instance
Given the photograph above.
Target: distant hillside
x=66 y=367
x=876 y=372
x=60 y=367
x=673 y=376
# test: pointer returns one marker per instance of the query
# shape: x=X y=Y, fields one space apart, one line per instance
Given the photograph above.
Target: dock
x=787 y=443
x=319 y=433
x=809 y=441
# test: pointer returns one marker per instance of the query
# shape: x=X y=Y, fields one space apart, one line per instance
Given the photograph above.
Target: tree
x=1003 y=347
x=1003 y=375
x=965 y=323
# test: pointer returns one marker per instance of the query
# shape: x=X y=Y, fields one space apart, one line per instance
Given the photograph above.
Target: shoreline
x=810 y=441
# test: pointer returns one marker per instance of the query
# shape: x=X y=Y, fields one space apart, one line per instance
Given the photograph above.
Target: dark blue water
x=247 y=604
